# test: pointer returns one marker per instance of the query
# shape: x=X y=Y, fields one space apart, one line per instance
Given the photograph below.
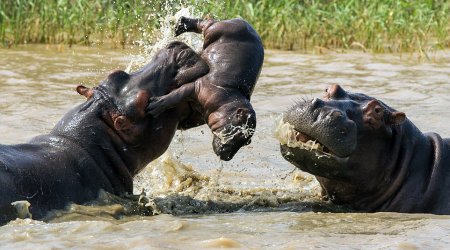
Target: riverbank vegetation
x=377 y=26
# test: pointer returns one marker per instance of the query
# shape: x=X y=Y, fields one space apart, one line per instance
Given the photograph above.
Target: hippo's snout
x=234 y=133
x=227 y=150
x=318 y=122
x=222 y=150
x=230 y=140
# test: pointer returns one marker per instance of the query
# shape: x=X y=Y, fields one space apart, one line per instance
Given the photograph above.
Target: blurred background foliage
x=378 y=26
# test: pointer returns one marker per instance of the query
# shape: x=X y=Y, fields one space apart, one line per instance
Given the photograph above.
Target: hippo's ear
x=82 y=90
x=373 y=114
x=396 y=118
x=122 y=123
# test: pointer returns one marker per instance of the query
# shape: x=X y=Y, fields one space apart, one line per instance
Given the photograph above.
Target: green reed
x=379 y=26
x=382 y=26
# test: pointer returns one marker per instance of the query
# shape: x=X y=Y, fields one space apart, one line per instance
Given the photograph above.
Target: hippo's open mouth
x=289 y=136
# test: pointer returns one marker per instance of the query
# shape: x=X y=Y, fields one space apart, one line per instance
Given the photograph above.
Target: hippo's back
x=235 y=56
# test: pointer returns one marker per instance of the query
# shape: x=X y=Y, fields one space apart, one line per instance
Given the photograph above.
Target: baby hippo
x=234 y=53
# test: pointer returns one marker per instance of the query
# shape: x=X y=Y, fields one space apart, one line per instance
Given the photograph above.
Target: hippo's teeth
x=311 y=145
x=288 y=136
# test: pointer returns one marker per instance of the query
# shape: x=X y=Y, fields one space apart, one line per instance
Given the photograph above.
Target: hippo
x=102 y=143
x=234 y=52
x=366 y=155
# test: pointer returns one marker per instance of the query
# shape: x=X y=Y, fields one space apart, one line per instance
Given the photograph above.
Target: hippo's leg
x=186 y=24
x=190 y=74
x=157 y=105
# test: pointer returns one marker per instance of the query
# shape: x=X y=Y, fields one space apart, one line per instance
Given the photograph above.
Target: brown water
x=258 y=200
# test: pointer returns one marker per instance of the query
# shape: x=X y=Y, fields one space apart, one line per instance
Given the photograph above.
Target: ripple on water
x=257 y=200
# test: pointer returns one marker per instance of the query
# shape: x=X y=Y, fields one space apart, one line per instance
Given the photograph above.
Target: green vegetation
x=377 y=25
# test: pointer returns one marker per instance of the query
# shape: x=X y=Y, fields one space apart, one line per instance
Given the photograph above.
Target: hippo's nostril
x=343 y=130
x=349 y=114
x=336 y=114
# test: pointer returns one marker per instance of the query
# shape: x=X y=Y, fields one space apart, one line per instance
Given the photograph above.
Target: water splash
x=150 y=43
x=168 y=175
x=22 y=208
x=219 y=173
x=226 y=135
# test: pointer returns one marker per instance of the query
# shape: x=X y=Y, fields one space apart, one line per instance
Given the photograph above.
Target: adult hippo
x=367 y=155
x=102 y=143
x=234 y=53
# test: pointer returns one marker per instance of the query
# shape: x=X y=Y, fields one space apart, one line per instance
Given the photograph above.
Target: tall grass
x=379 y=26
x=77 y=21
x=382 y=25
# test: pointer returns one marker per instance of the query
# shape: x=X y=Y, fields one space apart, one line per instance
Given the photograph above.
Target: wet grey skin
x=100 y=144
x=221 y=99
x=373 y=158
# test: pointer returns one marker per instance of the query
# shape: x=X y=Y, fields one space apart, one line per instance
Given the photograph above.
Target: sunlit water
x=257 y=200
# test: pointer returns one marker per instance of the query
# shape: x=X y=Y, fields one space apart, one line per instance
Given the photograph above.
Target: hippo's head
x=125 y=97
x=341 y=139
x=233 y=127
x=124 y=102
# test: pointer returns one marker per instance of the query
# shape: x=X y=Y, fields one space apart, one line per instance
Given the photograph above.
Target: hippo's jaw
x=308 y=153
x=237 y=132
x=230 y=140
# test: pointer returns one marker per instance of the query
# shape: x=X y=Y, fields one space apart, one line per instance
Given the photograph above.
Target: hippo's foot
x=186 y=24
x=157 y=105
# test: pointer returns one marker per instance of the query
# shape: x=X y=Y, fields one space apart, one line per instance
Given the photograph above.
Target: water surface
x=257 y=200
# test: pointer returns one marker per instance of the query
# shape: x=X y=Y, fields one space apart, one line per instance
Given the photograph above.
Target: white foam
x=286 y=135
x=22 y=208
x=226 y=135
x=160 y=38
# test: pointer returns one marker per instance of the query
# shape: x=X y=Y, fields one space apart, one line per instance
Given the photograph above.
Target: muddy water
x=257 y=200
